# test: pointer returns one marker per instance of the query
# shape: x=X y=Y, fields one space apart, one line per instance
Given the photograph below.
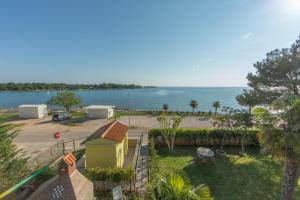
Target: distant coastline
x=64 y=86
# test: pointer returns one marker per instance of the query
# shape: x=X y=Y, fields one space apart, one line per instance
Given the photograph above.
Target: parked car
x=57 y=117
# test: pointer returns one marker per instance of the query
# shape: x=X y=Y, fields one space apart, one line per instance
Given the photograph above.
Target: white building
x=100 y=111
x=33 y=111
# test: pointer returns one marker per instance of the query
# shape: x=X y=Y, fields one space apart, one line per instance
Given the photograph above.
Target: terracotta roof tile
x=116 y=132
x=113 y=131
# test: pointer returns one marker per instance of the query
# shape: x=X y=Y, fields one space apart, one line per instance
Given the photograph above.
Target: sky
x=146 y=42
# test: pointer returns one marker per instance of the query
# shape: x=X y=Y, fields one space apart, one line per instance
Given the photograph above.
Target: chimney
x=68 y=164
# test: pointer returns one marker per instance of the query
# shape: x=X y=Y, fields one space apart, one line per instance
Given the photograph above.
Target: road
x=36 y=135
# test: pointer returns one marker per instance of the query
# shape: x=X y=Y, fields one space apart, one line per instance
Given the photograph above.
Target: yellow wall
x=101 y=153
x=104 y=153
x=125 y=141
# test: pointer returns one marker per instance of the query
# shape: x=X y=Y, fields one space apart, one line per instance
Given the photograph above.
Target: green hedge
x=208 y=137
x=115 y=174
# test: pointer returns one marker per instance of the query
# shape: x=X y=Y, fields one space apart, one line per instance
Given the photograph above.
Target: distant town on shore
x=64 y=86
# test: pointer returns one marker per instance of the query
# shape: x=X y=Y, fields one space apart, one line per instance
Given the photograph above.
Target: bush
x=208 y=137
x=114 y=174
x=173 y=187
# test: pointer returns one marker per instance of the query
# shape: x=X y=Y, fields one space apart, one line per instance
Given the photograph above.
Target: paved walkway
x=142 y=168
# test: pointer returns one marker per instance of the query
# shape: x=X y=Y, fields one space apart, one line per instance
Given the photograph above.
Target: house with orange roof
x=107 y=146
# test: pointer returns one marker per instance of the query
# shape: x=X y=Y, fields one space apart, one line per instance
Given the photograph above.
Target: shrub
x=173 y=187
x=209 y=137
x=114 y=174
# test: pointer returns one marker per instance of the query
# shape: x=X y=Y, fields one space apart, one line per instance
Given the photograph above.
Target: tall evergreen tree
x=249 y=98
x=13 y=164
x=277 y=74
x=277 y=77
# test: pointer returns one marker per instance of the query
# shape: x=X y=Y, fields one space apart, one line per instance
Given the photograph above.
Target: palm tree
x=216 y=105
x=194 y=105
x=281 y=137
x=173 y=187
x=166 y=107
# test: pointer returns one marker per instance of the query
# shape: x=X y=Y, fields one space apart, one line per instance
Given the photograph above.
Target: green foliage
x=216 y=105
x=117 y=115
x=64 y=86
x=195 y=136
x=231 y=177
x=225 y=121
x=276 y=83
x=277 y=74
x=7 y=116
x=114 y=174
x=66 y=99
x=169 y=128
x=280 y=131
x=173 y=187
x=13 y=164
x=249 y=98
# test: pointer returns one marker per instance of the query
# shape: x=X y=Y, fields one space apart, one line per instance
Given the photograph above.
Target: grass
x=230 y=177
x=7 y=117
x=125 y=113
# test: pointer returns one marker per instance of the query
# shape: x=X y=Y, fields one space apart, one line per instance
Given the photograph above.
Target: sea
x=178 y=98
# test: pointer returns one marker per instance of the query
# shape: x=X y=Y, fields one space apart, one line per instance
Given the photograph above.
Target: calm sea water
x=178 y=98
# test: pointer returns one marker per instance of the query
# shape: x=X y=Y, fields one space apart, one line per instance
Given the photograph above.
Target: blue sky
x=148 y=42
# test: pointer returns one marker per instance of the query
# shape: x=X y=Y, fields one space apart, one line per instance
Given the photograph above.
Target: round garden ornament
x=205 y=154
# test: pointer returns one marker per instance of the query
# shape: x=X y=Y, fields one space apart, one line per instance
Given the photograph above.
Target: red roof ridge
x=116 y=131
x=110 y=126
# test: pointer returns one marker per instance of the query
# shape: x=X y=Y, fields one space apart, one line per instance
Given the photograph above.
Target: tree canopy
x=216 y=105
x=169 y=128
x=276 y=84
x=249 y=98
x=64 y=86
x=66 y=99
x=13 y=165
x=277 y=74
x=194 y=104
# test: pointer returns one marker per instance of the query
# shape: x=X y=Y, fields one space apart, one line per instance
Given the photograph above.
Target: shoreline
x=75 y=89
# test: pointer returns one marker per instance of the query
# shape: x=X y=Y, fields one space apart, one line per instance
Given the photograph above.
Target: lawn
x=230 y=177
x=7 y=116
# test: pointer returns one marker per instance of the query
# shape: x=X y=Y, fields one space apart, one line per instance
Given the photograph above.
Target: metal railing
x=74 y=145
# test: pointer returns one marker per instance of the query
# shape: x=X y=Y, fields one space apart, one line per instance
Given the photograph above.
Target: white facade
x=33 y=111
x=100 y=111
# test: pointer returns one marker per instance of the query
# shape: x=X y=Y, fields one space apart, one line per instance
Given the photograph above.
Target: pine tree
x=13 y=164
